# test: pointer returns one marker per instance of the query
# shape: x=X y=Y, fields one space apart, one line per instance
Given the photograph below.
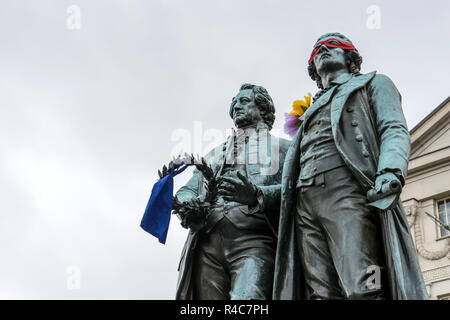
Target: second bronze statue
x=232 y=255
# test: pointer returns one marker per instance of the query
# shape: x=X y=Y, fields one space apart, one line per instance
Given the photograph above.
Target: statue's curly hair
x=354 y=59
x=263 y=101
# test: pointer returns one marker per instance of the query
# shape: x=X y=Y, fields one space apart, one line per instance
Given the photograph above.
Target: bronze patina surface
x=353 y=143
x=230 y=254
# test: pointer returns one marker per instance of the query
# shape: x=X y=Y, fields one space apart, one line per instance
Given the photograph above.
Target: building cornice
x=432 y=113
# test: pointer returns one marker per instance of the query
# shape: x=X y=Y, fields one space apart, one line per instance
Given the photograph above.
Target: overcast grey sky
x=87 y=117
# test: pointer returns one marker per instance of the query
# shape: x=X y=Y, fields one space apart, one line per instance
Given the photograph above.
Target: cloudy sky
x=88 y=115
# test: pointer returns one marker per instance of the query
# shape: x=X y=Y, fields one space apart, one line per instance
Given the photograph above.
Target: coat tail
x=403 y=270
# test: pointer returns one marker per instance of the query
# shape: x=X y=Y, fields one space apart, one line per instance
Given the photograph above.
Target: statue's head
x=251 y=105
x=333 y=51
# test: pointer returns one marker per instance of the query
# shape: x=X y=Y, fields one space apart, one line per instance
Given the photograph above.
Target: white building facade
x=426 y=198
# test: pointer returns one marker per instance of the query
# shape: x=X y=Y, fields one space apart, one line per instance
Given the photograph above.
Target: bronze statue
x=353 y=142
x=230 y=249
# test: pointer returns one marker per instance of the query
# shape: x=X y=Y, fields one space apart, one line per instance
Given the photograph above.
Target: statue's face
x=330 y=59
x=245 y=111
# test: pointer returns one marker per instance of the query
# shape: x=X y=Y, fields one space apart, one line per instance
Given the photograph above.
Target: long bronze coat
x=371 y=135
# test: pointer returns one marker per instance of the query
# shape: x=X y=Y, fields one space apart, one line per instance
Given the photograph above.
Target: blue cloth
x=156 y=217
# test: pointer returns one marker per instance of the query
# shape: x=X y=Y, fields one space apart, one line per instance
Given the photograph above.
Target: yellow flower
x=299 y=106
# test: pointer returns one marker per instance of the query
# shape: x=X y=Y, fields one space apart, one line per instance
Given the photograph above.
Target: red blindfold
x=342 y=45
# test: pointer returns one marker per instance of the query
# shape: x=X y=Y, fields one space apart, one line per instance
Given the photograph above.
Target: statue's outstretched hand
x=384 y=179
x=239 y=190
x=386 y=191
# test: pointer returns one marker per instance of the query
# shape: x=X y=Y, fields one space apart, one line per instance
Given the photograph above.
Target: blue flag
x=156 y=217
